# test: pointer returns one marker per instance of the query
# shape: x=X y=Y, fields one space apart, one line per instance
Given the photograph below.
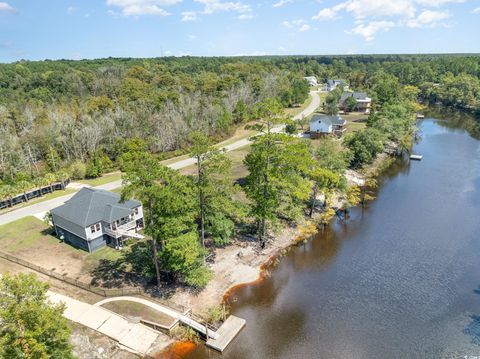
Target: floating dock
x=226 y=333
x=416 y=157
x=420 y=116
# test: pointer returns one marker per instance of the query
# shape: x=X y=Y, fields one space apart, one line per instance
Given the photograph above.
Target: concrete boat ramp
x=216 y=339
x=137 y=337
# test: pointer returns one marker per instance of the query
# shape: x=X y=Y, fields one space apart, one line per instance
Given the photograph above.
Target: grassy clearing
x=355 y=121
x=31 y=239
x=132 y=309
x=93 y=259
x=106 y=178
x=26 y=233
x=44 y=198
x=292 y=111
x=238 y=168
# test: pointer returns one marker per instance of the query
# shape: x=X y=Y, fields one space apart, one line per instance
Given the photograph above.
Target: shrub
x=78 y=170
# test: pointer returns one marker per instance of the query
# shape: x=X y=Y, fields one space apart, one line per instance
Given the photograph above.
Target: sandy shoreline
x=242 y=263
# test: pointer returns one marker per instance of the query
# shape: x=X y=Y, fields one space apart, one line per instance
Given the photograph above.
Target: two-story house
x=94 y=218
x=322 y=125
x=333 y=84
x=363 y=102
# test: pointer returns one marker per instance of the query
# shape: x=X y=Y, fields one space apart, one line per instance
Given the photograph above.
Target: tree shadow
x=473 y=328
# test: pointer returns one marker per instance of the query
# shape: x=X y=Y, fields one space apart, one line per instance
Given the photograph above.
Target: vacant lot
x=106 y=178
x=32 y=240
x=239 y=170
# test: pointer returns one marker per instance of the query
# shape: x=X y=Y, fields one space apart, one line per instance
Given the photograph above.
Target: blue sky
x=76 y=29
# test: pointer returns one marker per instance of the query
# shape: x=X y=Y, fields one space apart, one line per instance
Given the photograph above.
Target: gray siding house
x=332 y=84
x=322 y=125
x=94 y=218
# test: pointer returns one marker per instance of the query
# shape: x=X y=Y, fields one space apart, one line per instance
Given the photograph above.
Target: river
x=399 y=280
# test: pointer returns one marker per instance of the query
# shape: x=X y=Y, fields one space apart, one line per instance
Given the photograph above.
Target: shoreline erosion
x=241 y=264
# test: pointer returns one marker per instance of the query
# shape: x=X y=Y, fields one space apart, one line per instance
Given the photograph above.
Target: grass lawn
x=31 y=239
x=355 y=121
x=25 y=233
x=46 y=197
x=133 y=309
x=106 y=178
x=238 y=168
x=92 y=259
x=292 y=111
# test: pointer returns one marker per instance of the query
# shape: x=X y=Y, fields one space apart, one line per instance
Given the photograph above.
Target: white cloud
x=299 y=25
x=213 y=6
x=476 y=10
x=245 y=16
x=71 y=9
x=369 y=30
x=192 y=37
x=142 y=7
x=375 y=8
x=428 y=18
x=373 y=16
x=436 y=3
x=4 y=7
x=304 y=27
x=282 y=2
x=189 y=16
x=326 y=14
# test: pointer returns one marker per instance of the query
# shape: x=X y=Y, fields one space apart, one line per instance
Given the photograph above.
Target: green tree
x=350 y=104
x=216 y=208
x=169 y=204
x=277 y=164
x=365 y=145
x=324 y=181
x=32 y=327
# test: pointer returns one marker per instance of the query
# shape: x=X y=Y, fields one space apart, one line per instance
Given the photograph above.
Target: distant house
x=332 y=84
x=94 y=218
x=363 y=101
x=312 y=80
x=322 y=125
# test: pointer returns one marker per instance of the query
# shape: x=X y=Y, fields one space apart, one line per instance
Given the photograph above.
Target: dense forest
x=77 y=117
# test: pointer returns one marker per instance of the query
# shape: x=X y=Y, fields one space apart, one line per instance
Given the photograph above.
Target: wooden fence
x=104 y=292
x=34 y=193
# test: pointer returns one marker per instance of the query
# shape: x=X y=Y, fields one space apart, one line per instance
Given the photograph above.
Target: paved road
x=50 y=204
x=135 y=337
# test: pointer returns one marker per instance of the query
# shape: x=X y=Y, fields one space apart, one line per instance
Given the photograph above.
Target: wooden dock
x=416 y=157
x=226 y=333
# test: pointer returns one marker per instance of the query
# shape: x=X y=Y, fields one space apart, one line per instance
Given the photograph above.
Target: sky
x=78 y=29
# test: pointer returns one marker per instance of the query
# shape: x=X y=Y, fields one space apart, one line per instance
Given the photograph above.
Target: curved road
x=50 y=204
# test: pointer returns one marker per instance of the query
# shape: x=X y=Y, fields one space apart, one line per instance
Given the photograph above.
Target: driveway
x=50 y=204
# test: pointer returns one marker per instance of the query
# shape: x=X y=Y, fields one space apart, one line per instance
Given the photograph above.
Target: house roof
x=329 y=120
x=359 y=96
x=90 y=206
x=334 y=82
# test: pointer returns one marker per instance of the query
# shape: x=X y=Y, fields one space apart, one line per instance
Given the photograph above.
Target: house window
x=97 y=226
x=136 y=210
x=92 y=229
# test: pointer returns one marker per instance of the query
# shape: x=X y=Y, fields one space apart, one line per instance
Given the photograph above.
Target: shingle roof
x=356 y=95
x=329 y=120
x=91 y=205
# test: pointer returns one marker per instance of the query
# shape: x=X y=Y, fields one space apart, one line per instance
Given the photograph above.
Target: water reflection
x=394 y=282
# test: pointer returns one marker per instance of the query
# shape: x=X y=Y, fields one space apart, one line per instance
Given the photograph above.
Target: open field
x=238 y=168
x=31 y=239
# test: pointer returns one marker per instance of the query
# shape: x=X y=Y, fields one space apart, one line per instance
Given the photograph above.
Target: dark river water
x=399 y=280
